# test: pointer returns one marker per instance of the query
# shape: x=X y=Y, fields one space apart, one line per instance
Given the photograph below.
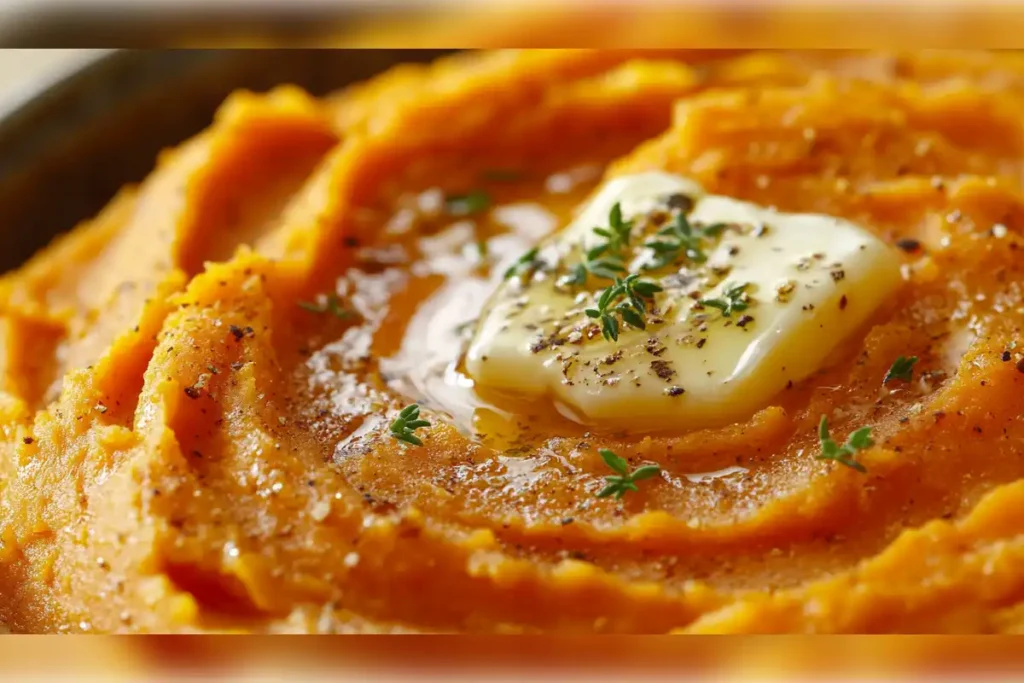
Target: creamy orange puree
x=185 y=447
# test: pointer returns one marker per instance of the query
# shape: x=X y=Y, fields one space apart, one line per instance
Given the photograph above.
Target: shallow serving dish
x=563 y=341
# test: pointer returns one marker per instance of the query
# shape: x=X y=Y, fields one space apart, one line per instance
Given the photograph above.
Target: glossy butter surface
x=809 y=282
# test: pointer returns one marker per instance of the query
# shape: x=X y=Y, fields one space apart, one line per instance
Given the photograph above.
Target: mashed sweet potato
x=197 y=384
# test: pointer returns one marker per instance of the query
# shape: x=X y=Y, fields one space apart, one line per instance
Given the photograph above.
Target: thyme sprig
x=605 y=260
x=734 y=299
x=625 y=480
x=625 y=299
x=617 y=234
x=406 y=423
x=845 y=454
x=680 y=238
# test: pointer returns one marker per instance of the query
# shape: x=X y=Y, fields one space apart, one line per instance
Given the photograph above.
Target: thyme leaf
x=469 y=203
x=526 y=263
x=902 y=368
x=846 y=454
x=406 y=423
x=734 y=299
x=625 y=299
x=624 y=481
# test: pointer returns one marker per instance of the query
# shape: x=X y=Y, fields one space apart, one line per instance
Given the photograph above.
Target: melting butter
x=810 y=281
x=427 y=367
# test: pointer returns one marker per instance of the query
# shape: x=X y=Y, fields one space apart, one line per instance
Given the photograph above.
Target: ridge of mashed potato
x=187 y=448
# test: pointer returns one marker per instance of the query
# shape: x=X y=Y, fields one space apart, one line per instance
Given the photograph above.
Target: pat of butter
x=811 y=281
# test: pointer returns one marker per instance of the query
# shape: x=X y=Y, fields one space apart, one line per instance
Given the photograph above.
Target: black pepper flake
x=655 y=347
x=567 y=521
x=908 y=245
x=192 y=392
x=680 y=201
x=240 y=332
x=744 y=320
x=1006 y=356
x=197 y=454
x=663 y=369
x=549 y=342
x=1020 y=365
x=28 y=439
x=675 y=391
x=842 y=303
x=838 y=275
x=237 y=365
x=939 y=415
x=613 y=358
x=350 y=242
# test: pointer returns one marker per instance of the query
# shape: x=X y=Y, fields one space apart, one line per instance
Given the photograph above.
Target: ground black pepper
x=663 y=369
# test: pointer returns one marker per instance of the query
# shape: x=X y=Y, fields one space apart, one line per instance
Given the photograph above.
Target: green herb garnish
x=679 y=238
x=577 y=277
x=624 y=481
x=524 y=264
x=845 y=454
x=604 y=260
x=481 y=249
x=734 y=300
x=502 y=175
x=902 y=368
x=330 y=304
x=607 y=267
x=406 y=423
x=625 y=299
x=617 y=234
x=469 y=203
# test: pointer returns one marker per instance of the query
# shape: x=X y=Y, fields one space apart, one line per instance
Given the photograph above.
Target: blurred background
x=89 y=121
x=519 y=23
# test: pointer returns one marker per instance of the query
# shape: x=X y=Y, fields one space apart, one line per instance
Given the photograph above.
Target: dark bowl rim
x=28 y=91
